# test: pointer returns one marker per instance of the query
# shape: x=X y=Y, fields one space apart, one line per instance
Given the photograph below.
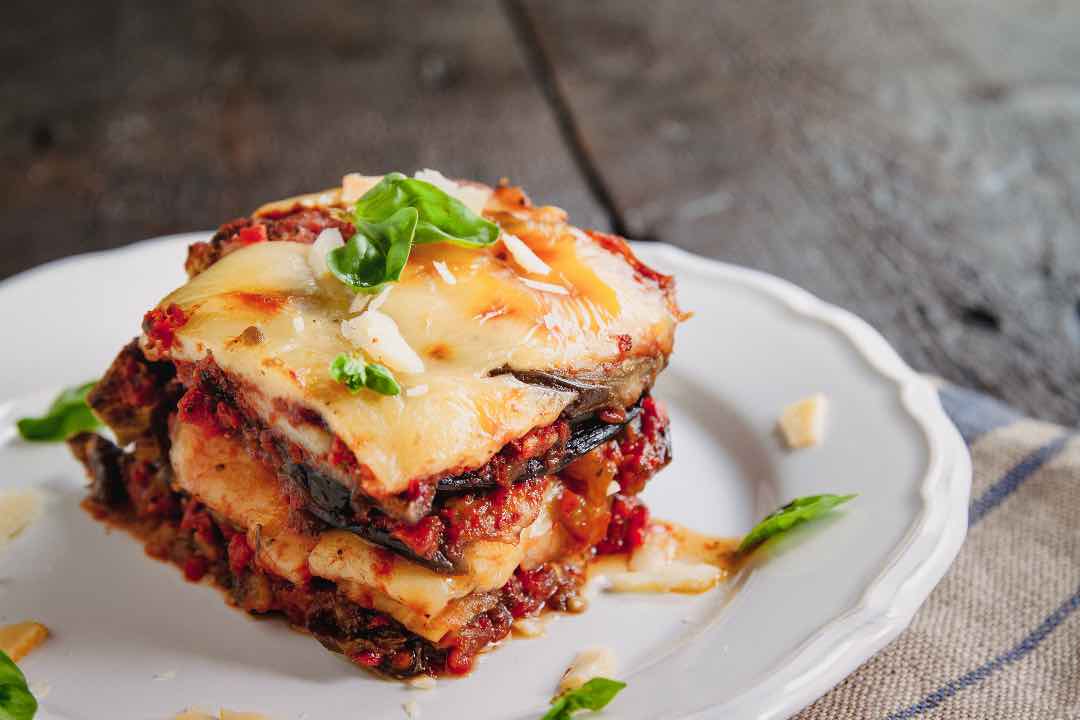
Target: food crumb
x=590 y=663
x=167 y=675
x=18 y=508
x=194 y=714
x=412 y=709
x=530 y=627
x=19 y=639
x=802 y=423
x=233 y=715
x=416 y=390
x=422 y=682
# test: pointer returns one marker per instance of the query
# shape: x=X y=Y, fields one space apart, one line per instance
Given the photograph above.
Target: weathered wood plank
x=917 y=162
x=124 y=120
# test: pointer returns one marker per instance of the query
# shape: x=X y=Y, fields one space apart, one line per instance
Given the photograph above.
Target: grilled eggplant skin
x=333 y=504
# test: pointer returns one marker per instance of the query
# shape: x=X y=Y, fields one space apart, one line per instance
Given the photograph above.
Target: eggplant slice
x=585 y=436
x=331 y=502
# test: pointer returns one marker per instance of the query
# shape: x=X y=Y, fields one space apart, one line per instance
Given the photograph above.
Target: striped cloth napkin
x=1000 y=636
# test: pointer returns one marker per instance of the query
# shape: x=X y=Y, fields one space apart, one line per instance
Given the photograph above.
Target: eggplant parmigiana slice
x=505 y=441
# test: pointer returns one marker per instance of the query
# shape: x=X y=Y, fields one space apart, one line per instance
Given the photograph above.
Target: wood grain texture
x=915 y=162
x=124 y=120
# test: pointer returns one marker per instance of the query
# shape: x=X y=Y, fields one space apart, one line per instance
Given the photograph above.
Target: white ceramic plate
x=763 y=646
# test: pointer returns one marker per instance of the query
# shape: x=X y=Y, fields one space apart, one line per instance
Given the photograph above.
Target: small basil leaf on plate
x=377 y=253
x=16 y=701
x=442 y=218
x=593 y=695
x=356 y=375
x=783 y=519
x=69 y=414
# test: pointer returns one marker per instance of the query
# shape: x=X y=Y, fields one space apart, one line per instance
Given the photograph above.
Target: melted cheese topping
x=487 y=320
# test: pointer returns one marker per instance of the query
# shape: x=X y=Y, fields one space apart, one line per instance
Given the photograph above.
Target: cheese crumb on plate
x=590 y=663
x=18 y=508
x=18 y=640
x=802 y=423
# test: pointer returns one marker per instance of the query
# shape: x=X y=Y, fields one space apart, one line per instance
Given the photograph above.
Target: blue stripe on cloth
x=1017 y=652
x=1014 y=478
x=974 y=413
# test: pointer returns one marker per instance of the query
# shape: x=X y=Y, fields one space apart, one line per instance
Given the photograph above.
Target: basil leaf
x=16 y=702
x=381 y=380
x=349 y=371
x=783 y=519
x=377 y=253
x=593 y=695
x=442 y=217
x=69 y=414
x=356 y=375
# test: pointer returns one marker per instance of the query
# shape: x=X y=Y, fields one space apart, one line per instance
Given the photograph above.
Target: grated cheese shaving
x=422 y=682
x=412 y=709
x=194 y=714
x=364 y=301
x=679 y=577
x=381 y=298
x=377 y=335
x=18 y=508
x=233 y=715
x=444 y=272
x=545 y=287
x=529 y=627
x=329 y=239
x=416 y=390
x=590 y=663
x=354 y=185
x=802 y=423
x=471 y=196
x=524 y=256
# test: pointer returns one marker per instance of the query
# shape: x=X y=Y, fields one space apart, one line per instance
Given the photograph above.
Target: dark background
x=915 y=162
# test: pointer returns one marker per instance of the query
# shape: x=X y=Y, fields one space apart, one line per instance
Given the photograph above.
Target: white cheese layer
x=220 y=474
x=486 y=320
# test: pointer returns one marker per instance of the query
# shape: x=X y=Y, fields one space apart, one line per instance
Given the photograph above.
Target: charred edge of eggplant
x=331 y=502
x=585 y=435
x=590 y=396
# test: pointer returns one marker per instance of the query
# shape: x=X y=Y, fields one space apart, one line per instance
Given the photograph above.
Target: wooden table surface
x=915 y=162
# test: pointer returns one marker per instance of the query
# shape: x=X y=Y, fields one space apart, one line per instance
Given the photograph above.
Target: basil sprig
x=356 y=375
x=442 y=218
x=69 y=414
x=593 y=695
x=16 y=702
x=783 y=519
x=377 y=253
x=391 y=217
